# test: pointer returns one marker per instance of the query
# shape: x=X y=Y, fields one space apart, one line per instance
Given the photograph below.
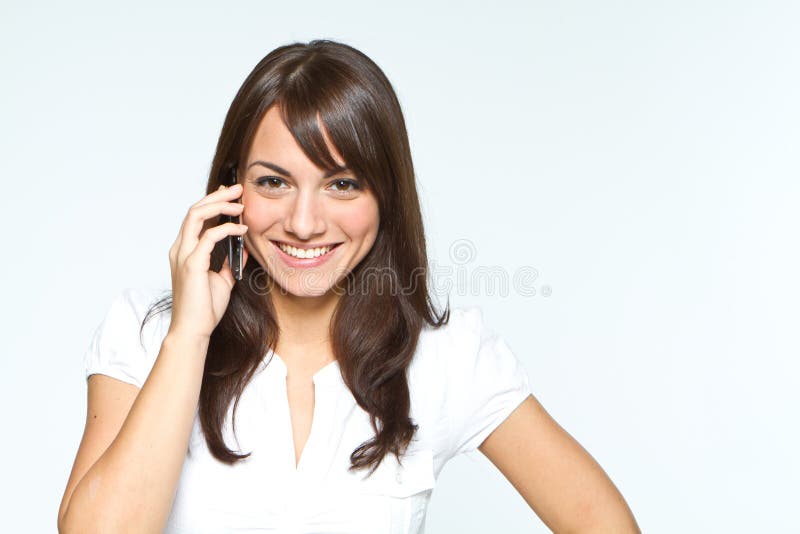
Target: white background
x=641 y=156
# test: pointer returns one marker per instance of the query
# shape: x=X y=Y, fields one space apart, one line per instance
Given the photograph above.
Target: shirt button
x=398 y=477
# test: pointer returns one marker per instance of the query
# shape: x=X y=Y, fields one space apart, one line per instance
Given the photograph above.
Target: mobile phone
x=235 y=243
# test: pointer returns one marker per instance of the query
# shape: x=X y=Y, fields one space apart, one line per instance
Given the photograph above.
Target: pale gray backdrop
x=637 y=162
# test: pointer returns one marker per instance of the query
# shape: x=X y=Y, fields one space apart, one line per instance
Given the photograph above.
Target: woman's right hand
x=200 y=296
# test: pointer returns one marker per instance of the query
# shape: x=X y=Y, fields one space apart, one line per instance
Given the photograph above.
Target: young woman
x=322 y=392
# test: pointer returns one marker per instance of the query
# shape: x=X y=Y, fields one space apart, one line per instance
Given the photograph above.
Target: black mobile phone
x=235 y=243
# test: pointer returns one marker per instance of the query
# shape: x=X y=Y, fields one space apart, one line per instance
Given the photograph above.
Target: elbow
x=597 y=517
x=62 y=523
x=62 y=518
x=618 y=527
x=67 y=523
x=72 y=522
x=608 y=521
x=624 y=527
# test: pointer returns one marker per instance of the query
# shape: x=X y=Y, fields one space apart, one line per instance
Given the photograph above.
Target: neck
x=304 y=323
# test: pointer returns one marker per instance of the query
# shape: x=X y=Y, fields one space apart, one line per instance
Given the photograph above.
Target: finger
x=223 y=194
x=200 y=258
x=199 y=220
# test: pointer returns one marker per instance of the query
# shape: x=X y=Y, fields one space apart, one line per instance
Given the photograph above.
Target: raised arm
x=129 y=462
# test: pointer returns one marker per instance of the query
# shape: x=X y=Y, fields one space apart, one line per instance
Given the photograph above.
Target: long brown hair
x=378 y=319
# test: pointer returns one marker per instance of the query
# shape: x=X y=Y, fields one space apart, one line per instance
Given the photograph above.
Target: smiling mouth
x=305 y=253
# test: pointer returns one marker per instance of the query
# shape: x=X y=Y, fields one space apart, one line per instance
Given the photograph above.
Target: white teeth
x=304 y=253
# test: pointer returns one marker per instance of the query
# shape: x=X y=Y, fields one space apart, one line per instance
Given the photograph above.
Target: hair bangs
x=306 y=111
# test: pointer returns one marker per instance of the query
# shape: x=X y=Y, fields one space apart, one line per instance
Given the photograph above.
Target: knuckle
x=211 y=233
x=186 y=267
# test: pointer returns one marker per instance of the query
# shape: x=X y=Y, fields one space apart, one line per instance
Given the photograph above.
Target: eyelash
x=262 y=182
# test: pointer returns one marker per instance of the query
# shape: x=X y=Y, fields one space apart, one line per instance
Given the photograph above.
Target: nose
x=305 y=218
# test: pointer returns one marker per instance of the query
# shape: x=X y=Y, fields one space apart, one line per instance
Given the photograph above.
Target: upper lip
x=305 y=246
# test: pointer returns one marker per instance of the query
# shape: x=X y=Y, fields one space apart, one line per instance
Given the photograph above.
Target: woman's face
x=290 y=201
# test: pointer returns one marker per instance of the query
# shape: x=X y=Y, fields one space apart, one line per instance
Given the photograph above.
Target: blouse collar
x=329 y=375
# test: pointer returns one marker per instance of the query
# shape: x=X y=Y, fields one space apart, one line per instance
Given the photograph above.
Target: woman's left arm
x=558 y=478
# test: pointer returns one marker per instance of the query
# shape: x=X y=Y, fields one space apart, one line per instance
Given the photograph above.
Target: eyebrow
x=280 y=170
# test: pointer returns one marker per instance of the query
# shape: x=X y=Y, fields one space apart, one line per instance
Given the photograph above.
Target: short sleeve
x=116 y=348
x=485 y=382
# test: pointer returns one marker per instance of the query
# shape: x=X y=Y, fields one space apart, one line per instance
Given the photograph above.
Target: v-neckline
x=322 y=377
x=323 y=374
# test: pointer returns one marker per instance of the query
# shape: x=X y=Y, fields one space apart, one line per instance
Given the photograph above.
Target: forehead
x=273 y=139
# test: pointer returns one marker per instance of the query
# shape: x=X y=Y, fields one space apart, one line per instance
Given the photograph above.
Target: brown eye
x=270 y=182
x=348 y=186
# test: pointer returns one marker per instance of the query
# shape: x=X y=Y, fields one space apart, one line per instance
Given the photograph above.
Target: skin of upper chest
x=300 y=397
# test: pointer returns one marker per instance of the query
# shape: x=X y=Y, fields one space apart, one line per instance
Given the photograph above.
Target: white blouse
x=463 y=382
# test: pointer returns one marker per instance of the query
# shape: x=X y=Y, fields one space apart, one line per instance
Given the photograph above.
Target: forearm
x=132 y=485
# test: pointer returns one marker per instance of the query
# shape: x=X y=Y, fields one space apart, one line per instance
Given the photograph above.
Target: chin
x=298 y=289
x=306 y=293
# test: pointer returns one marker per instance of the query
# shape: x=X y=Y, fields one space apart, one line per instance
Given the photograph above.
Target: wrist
x=184 y=337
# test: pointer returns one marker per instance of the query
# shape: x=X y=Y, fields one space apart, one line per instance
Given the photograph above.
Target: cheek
x=257 y=214
x=361 y=220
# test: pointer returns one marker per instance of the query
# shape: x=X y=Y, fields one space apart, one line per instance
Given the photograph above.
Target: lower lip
x=291 y=261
